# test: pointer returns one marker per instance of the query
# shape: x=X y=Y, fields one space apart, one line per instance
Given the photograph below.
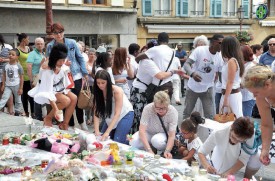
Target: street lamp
x=240 y=14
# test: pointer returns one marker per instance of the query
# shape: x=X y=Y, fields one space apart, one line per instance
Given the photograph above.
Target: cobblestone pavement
x=17 y=124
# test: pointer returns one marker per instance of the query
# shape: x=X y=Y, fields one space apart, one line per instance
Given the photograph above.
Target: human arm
x=236 y=167
x=143 y=138
x=266 y=128
x=129 y=68
x=3 y=81
x=170 y=144
x=54 y=108
x=118 y=96
x=80 y=59
x=96 y=124
x=206 y=165
x=29 y=71
x=232 y=70
x=141 y=56
x=20 y=89
x=4 y=59
x=188 y=68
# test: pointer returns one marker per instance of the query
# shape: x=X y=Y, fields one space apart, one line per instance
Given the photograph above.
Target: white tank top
x=237 y=79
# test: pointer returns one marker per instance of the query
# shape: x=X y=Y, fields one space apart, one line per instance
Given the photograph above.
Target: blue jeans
x=123 y=128
x=248 y=107
x=217 y=102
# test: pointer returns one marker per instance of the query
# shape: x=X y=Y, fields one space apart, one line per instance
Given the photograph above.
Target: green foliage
x=243 y=36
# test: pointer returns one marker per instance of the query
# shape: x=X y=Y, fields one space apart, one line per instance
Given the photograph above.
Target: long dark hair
x=230 y=48
x=2 y=40
x=103 y=109
x=21 y=36
x=59 y=51
x=191 y=124
x=119 y=60
x=102 y=60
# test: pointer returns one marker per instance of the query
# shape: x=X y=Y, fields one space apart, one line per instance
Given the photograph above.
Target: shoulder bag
x=85 y=97
x=152 y=88
x=225 y=117
x=175 y=148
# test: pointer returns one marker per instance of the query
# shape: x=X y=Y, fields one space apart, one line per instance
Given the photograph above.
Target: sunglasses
x=56 y=33
x=271 y=44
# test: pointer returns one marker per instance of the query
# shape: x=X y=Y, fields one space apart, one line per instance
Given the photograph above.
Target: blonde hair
x=256 y=76
x=162 y=97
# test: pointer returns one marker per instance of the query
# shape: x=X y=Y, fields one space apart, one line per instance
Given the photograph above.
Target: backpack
x=257 y=141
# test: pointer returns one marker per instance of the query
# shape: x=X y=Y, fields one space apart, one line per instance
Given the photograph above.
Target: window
x=156 y=7
x=216 y=8
x=245 y=4
x=196 y=7
x=95 y=2
x=230 y=9
x=182 y=7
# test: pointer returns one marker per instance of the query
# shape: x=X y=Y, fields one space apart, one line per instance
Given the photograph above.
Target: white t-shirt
x=273 y=66
x=134 y=65
x=237 y=79
x=85 y=56
x=110 y=71
x=195 y=144
x=175 y=66
x=206 y=65
x=146 y=71
x=13 y=73
x=161 y=55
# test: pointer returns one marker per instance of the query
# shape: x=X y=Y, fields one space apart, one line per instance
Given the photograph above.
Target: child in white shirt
x=13 y=82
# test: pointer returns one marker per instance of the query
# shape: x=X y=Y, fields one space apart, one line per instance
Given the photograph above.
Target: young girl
x=192 y=141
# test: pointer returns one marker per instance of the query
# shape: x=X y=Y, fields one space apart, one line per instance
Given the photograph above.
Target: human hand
x=211 y=169
x=104 y=137
x=86 y=77
x=128 y=60
x=264 y=157
x=167 y=155
x=20 y=91
x=68 y=63
x=1 y=59
x=225 y=103
x=196 y=77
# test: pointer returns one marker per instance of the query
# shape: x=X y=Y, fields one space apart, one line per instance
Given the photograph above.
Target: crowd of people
x=218 y=75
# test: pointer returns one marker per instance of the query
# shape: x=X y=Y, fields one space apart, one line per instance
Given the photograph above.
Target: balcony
x=197 y=13
x=162 y=12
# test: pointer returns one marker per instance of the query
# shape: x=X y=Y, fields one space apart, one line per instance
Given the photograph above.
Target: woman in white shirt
x=232 y=72
x=122 y=69
x=248 y=98
x=104 y=61
x=51 y=88
x=111 y=104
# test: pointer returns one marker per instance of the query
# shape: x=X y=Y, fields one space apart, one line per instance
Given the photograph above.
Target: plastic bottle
x=195 y=168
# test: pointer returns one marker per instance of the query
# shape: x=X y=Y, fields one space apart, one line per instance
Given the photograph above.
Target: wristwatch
x=172 y=72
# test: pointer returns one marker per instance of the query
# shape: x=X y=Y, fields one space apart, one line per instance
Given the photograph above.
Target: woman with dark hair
x=122 y=69
x=104 y=61
x=51 y=89
x=257 y=52
x=112 y=105
x=24 y=50
x=232 y=72
x=247 y=97
x=76 y=63
x=4 y=59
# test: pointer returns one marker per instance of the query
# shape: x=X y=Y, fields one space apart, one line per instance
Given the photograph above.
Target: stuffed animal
x=89 y=142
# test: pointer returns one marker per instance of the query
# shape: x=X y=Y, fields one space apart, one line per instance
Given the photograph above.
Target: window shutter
x=178 y=8
x=218 y=6
x=245 y=4
x=147 y=7
x=184 y=7
x=212 y=8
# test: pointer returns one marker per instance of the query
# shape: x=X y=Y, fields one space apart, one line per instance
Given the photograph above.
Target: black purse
x=175 y=149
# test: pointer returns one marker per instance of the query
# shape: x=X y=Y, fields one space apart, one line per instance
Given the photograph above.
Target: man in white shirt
x=202 y=66
x=162 y=56
x=134 y=50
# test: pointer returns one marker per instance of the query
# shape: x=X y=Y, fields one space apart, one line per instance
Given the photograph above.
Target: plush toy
x=62 y=146
x=56 y=164
x=89 y=142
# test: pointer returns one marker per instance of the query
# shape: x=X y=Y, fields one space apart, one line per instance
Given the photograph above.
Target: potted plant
x=243 y=36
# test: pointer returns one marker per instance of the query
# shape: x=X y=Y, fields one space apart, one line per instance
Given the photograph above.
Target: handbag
x=174 y=151
x=70 y=77
x=225 y=117
x=152 y=88
x=85 y=97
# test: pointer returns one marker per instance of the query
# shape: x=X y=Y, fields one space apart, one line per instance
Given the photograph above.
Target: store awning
x=267 y=23
x=202 y=29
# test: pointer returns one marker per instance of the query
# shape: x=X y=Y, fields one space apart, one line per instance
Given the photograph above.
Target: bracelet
x=167 y=151
x=172 y=72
